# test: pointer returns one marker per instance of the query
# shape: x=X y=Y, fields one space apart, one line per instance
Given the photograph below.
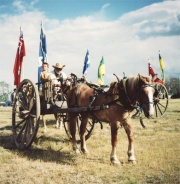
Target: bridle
x=125 y=100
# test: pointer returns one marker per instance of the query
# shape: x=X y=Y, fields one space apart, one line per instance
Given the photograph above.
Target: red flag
x=158 y=80
x=21 y=52
x=151 y=71
x=154 y=75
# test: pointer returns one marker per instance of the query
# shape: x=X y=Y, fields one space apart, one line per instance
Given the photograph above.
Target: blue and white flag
x=86 y=63
x=42 y=53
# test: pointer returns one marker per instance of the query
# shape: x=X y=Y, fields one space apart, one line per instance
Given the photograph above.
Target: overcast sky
x=125 y=32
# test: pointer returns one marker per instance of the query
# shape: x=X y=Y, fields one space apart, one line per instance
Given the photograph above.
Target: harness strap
x=125 y=89
x=120 y=95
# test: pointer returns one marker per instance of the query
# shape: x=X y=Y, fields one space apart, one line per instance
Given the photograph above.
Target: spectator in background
x=13 y=94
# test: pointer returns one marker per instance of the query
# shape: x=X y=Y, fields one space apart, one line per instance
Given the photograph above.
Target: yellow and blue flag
x=101 y=72
x=161 y=62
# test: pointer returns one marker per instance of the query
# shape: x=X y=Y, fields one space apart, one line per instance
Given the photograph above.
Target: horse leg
x=128 y=129
x=82 y=135
x=114 y=141
x=44 y=122
x=72 y=128
x=58 y=120
x=56 y=116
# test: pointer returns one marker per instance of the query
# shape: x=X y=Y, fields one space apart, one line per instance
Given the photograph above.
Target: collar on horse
x=121 y=97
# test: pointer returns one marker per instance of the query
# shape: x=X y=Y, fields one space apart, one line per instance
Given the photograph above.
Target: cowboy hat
x=58 y=65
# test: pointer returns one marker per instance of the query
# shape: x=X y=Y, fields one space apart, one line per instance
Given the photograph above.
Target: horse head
x=146 y=93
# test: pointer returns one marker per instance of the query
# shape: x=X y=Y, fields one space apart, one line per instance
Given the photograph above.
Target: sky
x=126 y=33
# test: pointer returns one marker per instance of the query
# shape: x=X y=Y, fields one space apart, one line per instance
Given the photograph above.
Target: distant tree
x=4 y=91
x=173 y=85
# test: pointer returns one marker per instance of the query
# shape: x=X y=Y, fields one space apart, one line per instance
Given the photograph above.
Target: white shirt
x=54 y=77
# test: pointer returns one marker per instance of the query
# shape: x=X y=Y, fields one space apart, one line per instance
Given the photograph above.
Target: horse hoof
x=115 y=161
x=132 y=162
x=86 y=152
x=76 y=151
x=45 y=130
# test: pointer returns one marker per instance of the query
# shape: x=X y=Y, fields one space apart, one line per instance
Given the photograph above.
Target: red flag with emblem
x=21 y=52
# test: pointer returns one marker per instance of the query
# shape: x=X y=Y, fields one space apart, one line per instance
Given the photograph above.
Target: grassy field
x=50 y=159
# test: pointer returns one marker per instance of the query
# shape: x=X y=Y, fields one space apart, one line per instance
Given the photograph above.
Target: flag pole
x=148 y=67
x=22 y=68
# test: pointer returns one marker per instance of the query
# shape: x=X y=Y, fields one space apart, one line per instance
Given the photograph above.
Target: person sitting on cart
x=58 y=79
x=45 y=76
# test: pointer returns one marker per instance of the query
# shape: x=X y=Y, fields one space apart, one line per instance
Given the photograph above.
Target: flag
x=42 y=53
x=161 y=62
x=86 y=63
x=21 y=52
x=101 y=72
x=151 y=71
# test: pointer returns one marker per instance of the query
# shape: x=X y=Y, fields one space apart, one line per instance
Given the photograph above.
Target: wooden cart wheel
x=89 y=129
x=25 y=114
x=160 y=99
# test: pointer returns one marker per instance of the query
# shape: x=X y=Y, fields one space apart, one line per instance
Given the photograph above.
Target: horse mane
x=133 y=81
x=139 y=79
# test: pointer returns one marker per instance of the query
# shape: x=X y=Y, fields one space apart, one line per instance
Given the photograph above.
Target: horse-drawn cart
x=28 y=108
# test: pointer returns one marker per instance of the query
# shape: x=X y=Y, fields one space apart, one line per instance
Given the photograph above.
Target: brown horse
x=121 y=97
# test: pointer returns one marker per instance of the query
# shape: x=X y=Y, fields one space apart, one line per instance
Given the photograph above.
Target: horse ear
x=142 y=78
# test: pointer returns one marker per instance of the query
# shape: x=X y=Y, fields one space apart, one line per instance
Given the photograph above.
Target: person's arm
x=55 y=82
x=44 y=76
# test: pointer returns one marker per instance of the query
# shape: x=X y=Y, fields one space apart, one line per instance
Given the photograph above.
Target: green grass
x=51 y=159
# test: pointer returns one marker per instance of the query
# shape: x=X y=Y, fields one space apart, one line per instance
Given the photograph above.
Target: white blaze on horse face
x=150 y=91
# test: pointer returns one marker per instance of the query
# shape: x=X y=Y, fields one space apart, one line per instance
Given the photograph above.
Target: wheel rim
x=25 y=114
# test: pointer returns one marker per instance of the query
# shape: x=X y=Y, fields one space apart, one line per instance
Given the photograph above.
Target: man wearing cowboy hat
x=58 y=77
